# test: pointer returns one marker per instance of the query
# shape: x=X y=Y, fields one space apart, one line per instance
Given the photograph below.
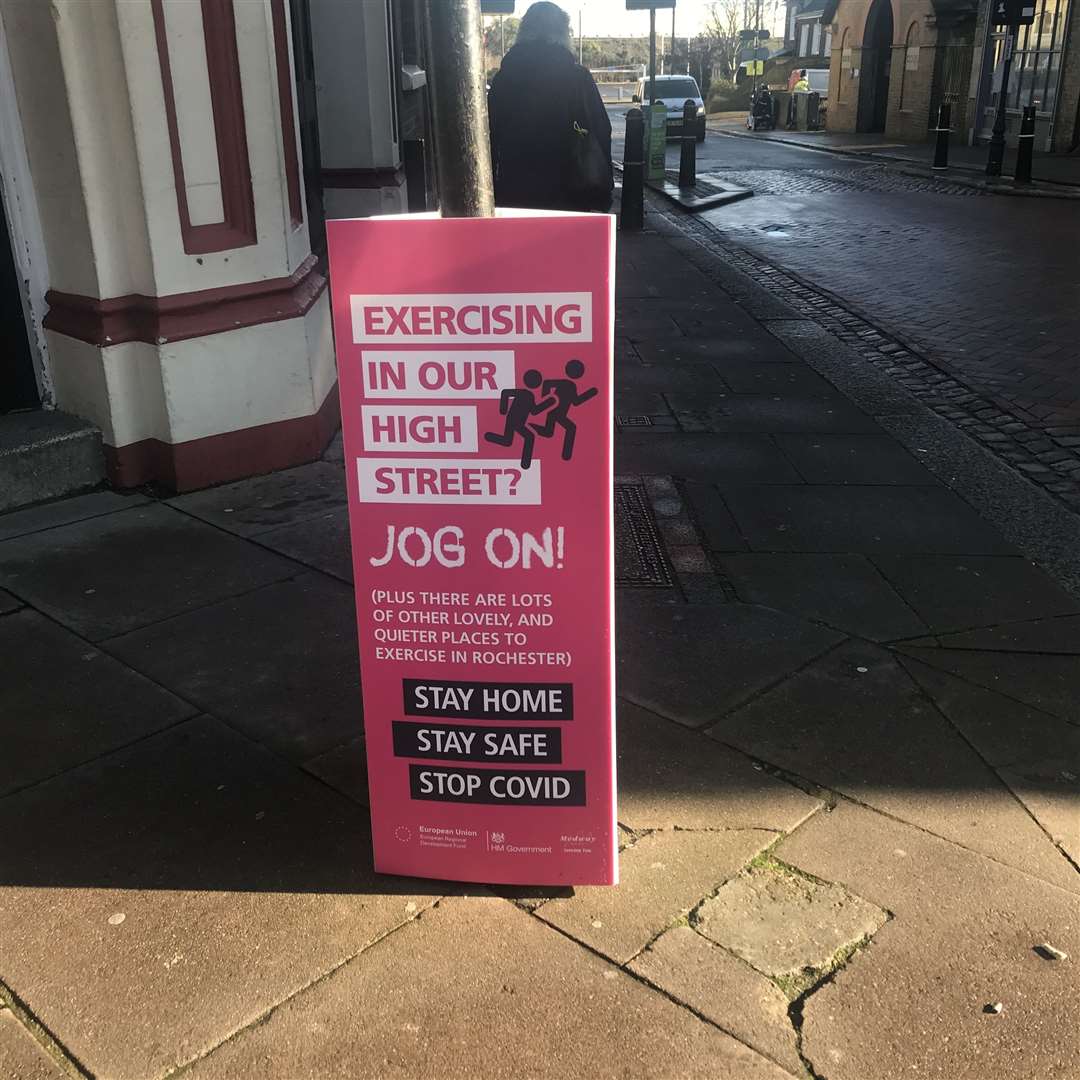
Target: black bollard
x=688 y=156
x=941 y=147
x=632 y=217
x=1025 y=147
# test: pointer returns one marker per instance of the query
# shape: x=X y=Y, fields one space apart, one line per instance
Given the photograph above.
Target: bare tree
x=723 y=21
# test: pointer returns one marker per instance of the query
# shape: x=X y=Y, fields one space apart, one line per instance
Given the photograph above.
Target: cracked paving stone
x=963 y=934
x=783 y=924
x=671 y=777
x=1058 y=635
x=479 y=988
x=723 y=989
x=662 y=877
x=21 y=1058
x=854 y=721
x=693 y=662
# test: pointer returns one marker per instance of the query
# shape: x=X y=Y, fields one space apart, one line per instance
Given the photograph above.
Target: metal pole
x=1025 y=147
x=502 y=36
x=941 y=147
x=459 y=108
x=673 y=43
x=652 y=55
x=997 y=139
x=580 y=45
x=632 y=216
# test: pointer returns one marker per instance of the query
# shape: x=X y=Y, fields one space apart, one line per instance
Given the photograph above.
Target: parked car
x=674 y=91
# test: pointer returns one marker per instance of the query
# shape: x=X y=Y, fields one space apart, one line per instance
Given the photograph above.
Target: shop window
x=804 y=39
x=911 y=65
x=1036 y=68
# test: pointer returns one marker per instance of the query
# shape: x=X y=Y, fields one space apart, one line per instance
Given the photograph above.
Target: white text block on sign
x=430 y=373
x=438 y=429
x=472 y=318
x=464 y=481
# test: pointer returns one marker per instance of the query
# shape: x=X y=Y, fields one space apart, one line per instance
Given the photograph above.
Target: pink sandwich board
x=475 y=361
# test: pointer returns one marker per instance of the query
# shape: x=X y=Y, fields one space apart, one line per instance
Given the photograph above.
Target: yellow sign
x=754 y=67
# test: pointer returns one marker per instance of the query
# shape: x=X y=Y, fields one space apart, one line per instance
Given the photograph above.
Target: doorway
x=876 y=67
x=18 y=387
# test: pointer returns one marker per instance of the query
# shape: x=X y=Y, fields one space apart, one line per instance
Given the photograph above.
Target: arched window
x=845 y=65
x=911 y=65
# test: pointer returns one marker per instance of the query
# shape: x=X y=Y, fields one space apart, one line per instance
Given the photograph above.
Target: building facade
x=894 y=62
x=166 y=167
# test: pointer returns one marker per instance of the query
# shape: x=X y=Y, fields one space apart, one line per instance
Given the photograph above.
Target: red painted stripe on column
x=227 y=101
x=285 y=102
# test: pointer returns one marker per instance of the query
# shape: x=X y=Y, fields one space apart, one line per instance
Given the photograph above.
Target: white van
x=674 y=91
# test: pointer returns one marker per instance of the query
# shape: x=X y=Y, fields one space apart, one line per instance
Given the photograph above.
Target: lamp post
x=459 y=108
x=996 y=156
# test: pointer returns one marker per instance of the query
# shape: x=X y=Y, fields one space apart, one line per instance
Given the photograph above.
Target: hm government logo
x=497 y=839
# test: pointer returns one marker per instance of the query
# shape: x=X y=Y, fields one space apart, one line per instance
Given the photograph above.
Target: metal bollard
x=632 y=217
x=941 y=147
x=1025 y=147
x=688 y=156
x=415 y=175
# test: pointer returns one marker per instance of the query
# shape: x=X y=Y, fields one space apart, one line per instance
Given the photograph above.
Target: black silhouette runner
x=566 y=397
x=517 y=405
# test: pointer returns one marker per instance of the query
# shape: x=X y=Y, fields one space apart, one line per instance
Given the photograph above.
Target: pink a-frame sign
x=475 y=360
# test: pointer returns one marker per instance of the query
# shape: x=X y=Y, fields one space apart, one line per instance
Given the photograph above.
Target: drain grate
x=639 y=555
x=634 y=421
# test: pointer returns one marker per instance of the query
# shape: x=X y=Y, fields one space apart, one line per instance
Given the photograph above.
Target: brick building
x=165 y=170
x=895 y=61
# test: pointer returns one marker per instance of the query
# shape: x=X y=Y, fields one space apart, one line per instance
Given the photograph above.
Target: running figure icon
x=518 y=405
x=566 y=397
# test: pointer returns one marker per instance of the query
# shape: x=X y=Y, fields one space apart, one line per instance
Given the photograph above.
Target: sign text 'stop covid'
x=472 y=318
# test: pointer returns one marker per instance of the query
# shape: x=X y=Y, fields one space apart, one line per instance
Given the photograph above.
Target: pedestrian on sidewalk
x=550 y=132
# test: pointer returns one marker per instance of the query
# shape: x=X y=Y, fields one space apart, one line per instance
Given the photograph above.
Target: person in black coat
x=544 y=110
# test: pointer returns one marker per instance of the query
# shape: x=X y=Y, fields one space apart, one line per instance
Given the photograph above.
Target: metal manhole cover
x=639 y=556
x=634 y=421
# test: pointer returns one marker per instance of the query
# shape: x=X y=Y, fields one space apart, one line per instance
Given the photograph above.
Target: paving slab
x=249 y=507
x=955 y=593
x=1050 y=789
x=662 y=877
x=115 y=573
x=278 y=663
x=1056 y=635
x=64 y=511
x=963 y=936
x=713 y=518
x=673 y=778
x=663 y=380
x=66 y=702
x=159 y=899
x=853 y=459
x=321 y=542
x=723 y=989
x=845 y=591
x=555 y=1011
x=694 y=662
x=742 y=376
x=768 y=413
x=759 y=347
x=345 y=769
x=9 y=603
x=871 y=520
x=734 y=459
x=855 y=722
x=783 y=924
x=1050 y=683
x=21 y=1056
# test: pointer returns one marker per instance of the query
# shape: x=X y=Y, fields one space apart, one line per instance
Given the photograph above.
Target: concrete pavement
x=848 y=759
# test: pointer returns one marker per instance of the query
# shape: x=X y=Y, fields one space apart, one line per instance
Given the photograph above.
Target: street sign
x=645 y=5
x=655 y=141
x=1014 y=12
x=497 y=7
x=475 y=364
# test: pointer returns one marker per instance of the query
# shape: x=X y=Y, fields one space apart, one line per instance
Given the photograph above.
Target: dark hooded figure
x=541 y=101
